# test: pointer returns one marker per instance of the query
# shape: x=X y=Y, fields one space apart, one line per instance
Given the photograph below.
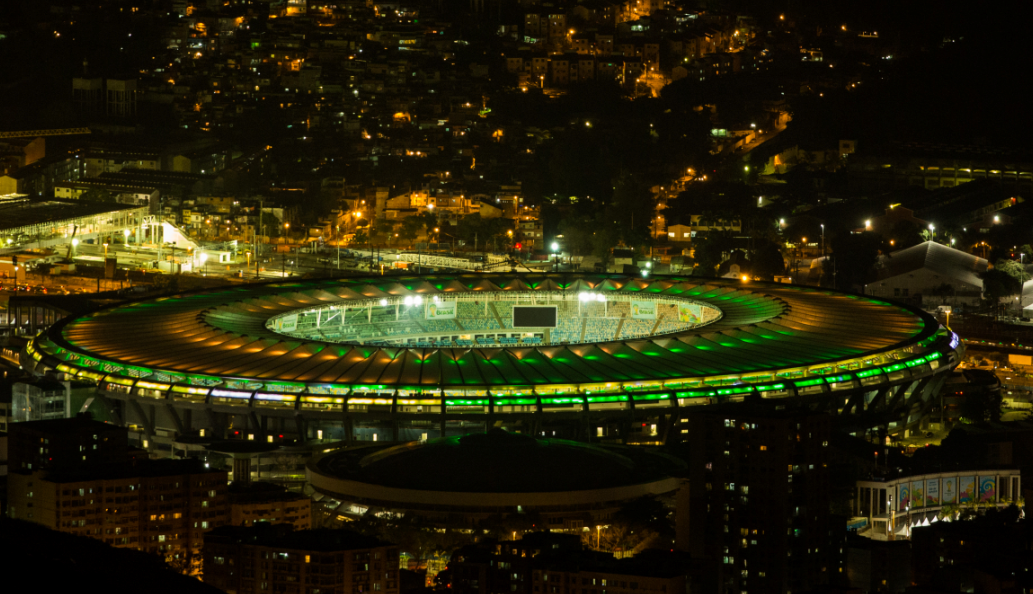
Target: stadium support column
x=146 y=420
x=349 y=428
x=444 y=409
x=538 y=425
x=394 y=417
x=112 y=407
x=489 y=422
x=217 y=422
x=174 y=415
x=255 y=424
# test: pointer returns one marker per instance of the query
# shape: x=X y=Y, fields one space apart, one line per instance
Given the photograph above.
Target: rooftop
x=77 y=423
x=940 y=259
x=223 y=333
x=27 y=212
x=147 y=468
x=279 y=536
x=506 y=463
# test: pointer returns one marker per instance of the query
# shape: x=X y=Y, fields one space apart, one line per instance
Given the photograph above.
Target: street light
x=204 y=263
x=555 y=247
x=105 y=250
x=125 y=233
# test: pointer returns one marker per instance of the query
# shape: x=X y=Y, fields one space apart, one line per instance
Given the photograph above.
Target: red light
x=519 y=245
x=281 y=437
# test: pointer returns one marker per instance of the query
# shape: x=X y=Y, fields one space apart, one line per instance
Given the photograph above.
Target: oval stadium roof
x=219 y=337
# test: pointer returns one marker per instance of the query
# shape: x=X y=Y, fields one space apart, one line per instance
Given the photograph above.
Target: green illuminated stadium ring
x=770 y=339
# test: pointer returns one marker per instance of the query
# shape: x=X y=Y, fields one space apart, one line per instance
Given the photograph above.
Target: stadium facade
x=421 y=357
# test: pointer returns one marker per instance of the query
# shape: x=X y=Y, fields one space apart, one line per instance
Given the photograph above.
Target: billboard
x=643 y=310
x=904 y=499
x=950 y=490
x=966 y=489
x=689 y=314
x=988 y=488
x=441 y=310
x=917 y=493
x=286 y=323
x=534 y=316
x=932 y=492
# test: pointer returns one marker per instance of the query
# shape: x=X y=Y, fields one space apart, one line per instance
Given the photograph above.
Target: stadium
x=589 y=357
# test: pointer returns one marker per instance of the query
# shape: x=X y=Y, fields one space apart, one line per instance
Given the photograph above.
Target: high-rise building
x=759 y=503
x=265 y=502
x=551 y=563
x=161 y=506
x=273 y=558
x=56 y=444
x=79 y=476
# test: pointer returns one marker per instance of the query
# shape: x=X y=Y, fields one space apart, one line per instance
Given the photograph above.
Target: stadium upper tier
x=706 y=337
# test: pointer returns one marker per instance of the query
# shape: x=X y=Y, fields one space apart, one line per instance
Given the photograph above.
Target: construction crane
x=38 y=133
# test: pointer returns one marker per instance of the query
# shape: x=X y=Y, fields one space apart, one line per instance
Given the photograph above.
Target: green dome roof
x=501 y=462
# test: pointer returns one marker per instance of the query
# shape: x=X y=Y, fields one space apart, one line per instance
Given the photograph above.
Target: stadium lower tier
x=892 y=402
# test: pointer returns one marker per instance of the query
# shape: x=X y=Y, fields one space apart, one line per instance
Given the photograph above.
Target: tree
x=97 y=195
x=768 y=261
x=1012 y=269
x=980 y=405
x=411 y=227
x=905 y=234
x=272 y=226
x=945 y=291
x=383 y=230
x=998 y=285
x=709 y=248
x=577 y=234
x=853 y=259
x=605 y=236
x=634 y=207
